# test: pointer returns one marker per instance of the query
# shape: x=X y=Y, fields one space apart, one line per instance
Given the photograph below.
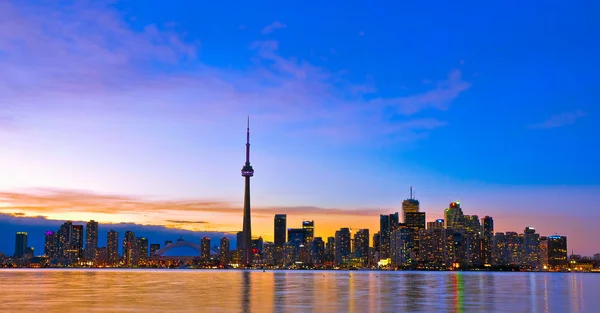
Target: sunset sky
x=135 y=112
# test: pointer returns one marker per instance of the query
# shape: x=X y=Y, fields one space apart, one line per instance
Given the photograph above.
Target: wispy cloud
x=272 y=27
x=438 y=98
x=559 y=120
x=85 y=60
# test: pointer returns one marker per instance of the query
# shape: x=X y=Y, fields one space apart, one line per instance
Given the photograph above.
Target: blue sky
x=350 y=104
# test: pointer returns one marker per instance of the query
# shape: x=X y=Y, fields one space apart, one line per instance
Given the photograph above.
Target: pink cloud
x=272 y=27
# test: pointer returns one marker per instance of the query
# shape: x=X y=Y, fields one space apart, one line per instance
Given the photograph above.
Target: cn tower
x=247 y=172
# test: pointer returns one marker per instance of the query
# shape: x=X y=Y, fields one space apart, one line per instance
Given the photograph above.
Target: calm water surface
x=295 y=291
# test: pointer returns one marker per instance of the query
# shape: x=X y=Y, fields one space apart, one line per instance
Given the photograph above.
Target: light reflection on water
x=295 y=291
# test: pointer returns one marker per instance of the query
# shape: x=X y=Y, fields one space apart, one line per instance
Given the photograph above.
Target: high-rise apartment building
x=64 y=240
x=129 y=249
x=531 y=248
x=543 y=252
x=112 y=247
x=142 y=249
x=76 y=251
x=342 y=245
x=91 y=240
x=20 y=244
x=487 y=237
x=402 y=247
x=205 y=248
x=361 y=246
x=387 y=223
x=50 y=244
x=224 y=251
x=317 y=251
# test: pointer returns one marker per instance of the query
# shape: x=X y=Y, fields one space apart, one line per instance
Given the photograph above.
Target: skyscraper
x=280 y=229
x=387 y=223
x=64 y=240
x=142 y=248
x=50 y=244
x=557 y=252
x=415 y=221
x=361 y=246
x=342 y=245
x=531 y=247
x=543 y=252
x=247 y=172
x=77 y=243
x=409 y=205
x=224 y=251
x=20 y=244
x=205 y=249
x=317 y=250
x=487 y=239
x=330 y=250
x=129 y=249
x=297 y=237
x=309 y=230
x=91 y=240
x=454 y=216
x=112 y=247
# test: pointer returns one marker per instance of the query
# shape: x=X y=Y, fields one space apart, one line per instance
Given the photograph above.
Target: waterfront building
x=112 y=247
x=309 y=230
x=20 y=244
x=342 y=246
x=410 y=205
x=402 y=247
x=557 y=252
x=317 y=251
x=142 y=248
x=224 y=251
x=361 y=246
x=432 y=247
x=543 y=252
x=91 y=240
x=129 y=249
x=205 y=249
x=531 y=248
x=280 y=227
x=487 y=224
x=387 y=223
x=76 y=246
x=50 y=244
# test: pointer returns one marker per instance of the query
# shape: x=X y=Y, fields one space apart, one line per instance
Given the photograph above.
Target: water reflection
x=300 y=291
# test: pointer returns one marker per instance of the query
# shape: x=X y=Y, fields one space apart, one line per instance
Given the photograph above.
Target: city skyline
x=130 y=116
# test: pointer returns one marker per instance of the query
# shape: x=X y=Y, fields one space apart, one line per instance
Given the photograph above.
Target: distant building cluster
x=458 y=242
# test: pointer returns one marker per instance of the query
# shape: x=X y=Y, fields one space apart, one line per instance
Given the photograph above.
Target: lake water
x=61 y=290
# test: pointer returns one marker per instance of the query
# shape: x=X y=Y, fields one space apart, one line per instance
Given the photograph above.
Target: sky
x=135 y=112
